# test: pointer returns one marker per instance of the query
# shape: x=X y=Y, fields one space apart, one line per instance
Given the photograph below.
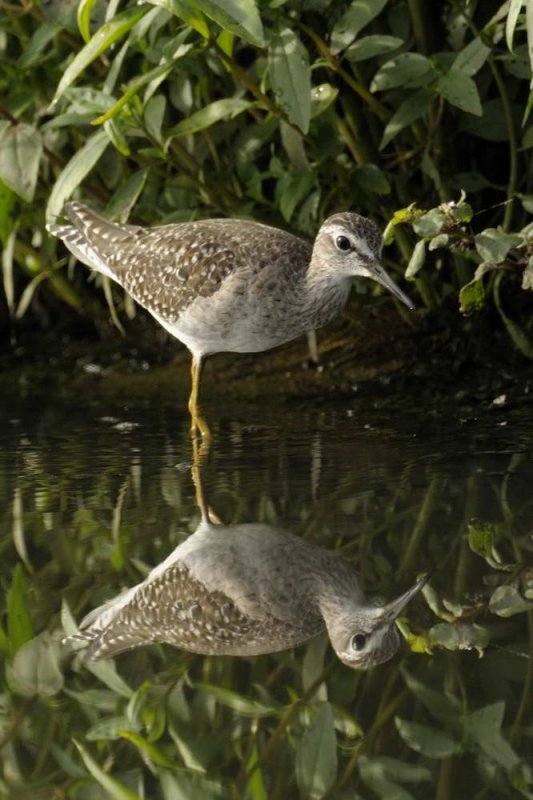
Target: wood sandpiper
x=230 y=284
x=245 y=590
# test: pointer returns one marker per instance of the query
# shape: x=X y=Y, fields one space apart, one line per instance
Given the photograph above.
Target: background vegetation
x=284 y=111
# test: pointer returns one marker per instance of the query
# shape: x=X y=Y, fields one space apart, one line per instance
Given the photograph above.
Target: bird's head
x=351 y=246
x=368 y=635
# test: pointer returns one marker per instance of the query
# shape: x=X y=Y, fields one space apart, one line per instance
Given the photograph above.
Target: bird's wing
x=167 y=267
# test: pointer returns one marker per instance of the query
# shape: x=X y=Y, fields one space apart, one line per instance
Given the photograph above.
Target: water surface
x=95 y=496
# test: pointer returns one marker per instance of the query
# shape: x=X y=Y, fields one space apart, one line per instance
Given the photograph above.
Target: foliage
x=89 y=507
x=284 y=111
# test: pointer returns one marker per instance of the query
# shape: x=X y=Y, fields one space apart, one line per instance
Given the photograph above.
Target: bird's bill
x=394 y=609
x=382 y=277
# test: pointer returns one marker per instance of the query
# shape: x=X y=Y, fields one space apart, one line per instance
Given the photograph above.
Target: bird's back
x=238 y=590
x=167 y=267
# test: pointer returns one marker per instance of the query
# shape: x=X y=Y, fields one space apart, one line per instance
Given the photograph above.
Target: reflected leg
x=197 y=421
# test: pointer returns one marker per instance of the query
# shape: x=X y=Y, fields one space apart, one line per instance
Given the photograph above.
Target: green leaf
x=240 y=17
x=32 y=51
x=7 y=203
x=483 y=727
x=512 y=17
x=85 y=10
x=491 y=126
x=322 y=96
x=35 y=669
x=431 y=742
x=358 y=15
x=527 y=275
x=417 y=260
x=521 y=340
x=74 y=172
x=107 y=35
x=430 y=224
x=471 y=297
x=372 y=178
x=188 y=12
x=290 y=76
x=20 y=155
x=405 y=69
x=507 y=600
x=407 y=112
x=493 y=244
x=291 y=190
x=529 y=31
x=316 y=755
x=19 y=621
x=229 y=107
x=460 y=91
x=114 y=789
x=472 y=57
x=371 y=46
x=121 y=204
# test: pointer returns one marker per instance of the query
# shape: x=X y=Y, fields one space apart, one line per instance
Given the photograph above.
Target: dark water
x=93 y=497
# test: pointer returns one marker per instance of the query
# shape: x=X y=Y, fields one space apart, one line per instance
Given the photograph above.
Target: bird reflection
x=244 y=590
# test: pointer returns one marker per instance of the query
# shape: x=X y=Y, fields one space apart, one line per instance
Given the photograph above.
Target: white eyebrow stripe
x=360 y=245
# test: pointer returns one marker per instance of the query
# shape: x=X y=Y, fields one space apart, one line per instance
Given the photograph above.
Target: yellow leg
x=198 y=423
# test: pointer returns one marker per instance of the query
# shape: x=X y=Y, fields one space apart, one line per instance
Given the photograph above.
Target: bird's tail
x=91 y=237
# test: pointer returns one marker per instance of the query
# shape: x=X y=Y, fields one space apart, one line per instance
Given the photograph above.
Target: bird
x=230 y=285
x=246 y=590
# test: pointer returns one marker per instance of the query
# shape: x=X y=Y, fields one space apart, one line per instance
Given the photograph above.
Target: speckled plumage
x=241 y=590
x=230 y=284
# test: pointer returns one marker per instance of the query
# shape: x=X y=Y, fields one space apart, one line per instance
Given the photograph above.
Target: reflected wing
x=176 y=609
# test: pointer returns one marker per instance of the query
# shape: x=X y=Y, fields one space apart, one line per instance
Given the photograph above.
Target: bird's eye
x=358 y=641
x=343 y=243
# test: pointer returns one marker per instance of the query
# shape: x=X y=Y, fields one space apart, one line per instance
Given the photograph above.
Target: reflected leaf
x=107 y=729
x=403 y=70
x=383 y=776
x=316 y=755
x=460 y=636
x=19 y=621
x=183 y=785
x=114 y=788
x=239 y=703
x=106 y=672
x=483 y=727
x=431 y=742
x=147 y=749
x=35 y=669
x=444 y=708
x=507 y=600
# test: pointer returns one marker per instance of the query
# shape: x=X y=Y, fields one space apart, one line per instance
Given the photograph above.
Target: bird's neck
x=324 y=295
x=339 y=596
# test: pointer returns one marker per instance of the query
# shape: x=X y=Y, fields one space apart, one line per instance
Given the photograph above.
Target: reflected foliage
x=91 y=508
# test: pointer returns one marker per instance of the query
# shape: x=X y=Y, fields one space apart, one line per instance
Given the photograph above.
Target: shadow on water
x=93 y=501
